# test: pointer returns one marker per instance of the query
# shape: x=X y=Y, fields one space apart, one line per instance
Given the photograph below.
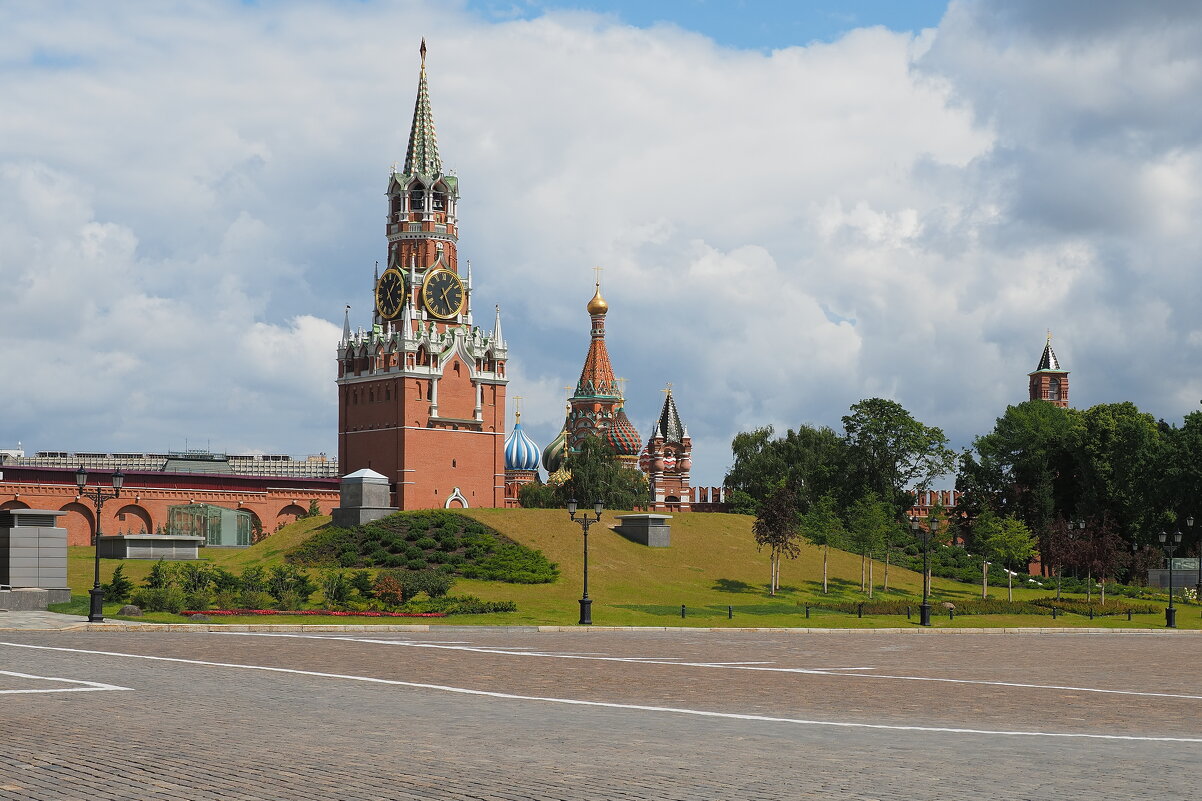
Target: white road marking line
x=89 y=686
x=612 y=705
x=806 y=671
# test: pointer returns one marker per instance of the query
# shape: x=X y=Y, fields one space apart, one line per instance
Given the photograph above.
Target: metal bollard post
x=1053 y=613
x=907 y=612
x=1128 y=615
x=730 y=613
x=1091 y=613
x=951 y=614
x=807 y=611
x=860 y=610
x=682 y=610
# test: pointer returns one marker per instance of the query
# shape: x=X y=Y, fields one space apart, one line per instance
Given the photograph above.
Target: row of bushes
x=197 y=586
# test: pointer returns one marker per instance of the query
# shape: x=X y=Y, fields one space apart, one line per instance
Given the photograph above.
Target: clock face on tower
x=390 y=293
x=443 y=293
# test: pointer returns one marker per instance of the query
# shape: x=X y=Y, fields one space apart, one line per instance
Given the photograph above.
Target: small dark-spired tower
x=667 y=459
x=1049 y=382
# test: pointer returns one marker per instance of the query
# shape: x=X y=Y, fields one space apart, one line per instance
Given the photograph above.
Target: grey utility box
x=363 y=496
x=33 y=556
x=645 y=529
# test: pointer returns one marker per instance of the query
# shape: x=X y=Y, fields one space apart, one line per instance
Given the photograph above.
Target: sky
x=796 y=206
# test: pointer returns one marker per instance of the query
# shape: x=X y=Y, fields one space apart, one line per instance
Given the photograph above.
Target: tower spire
x=422 y=156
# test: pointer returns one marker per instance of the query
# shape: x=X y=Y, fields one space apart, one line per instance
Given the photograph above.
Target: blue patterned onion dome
x=520 y=451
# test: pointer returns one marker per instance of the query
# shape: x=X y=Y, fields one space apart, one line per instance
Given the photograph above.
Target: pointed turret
x=497 y=339
x=668 y=426
x=422 y=156
x=346 y=326
x=1049 y=381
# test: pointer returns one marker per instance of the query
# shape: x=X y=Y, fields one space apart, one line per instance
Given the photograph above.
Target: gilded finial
x=517 y=408
x=1049 y=335
x=423 y=52
x=598 y=305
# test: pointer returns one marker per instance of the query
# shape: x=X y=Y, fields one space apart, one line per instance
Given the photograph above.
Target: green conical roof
x=422 y=156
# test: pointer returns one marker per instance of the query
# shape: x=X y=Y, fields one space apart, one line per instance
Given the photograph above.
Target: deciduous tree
x=777 y=527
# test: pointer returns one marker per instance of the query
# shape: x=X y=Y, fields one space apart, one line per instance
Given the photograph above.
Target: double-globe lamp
x=586 y=603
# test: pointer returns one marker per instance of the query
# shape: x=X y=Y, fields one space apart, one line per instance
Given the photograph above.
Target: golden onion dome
x=598 y=305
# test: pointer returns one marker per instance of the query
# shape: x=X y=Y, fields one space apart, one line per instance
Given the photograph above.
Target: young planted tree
x=777 y=526
x=870 y=520
x=822 y=527
x=1013 y=544
x=984 y=529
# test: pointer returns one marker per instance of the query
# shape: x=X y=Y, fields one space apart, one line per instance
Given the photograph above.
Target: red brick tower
x=1049 y=382
x=667 y=460
x=421 y=396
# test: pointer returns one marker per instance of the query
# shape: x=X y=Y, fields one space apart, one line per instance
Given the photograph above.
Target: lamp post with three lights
x=586 y=603
x=97 y=496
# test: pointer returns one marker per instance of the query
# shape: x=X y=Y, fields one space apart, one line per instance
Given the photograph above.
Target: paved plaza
x=467 y=713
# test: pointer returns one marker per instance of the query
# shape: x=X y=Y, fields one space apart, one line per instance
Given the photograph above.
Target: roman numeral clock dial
x=443 y=294
x=390 y=293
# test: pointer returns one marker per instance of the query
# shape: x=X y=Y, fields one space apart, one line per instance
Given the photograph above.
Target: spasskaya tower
x=421 y=393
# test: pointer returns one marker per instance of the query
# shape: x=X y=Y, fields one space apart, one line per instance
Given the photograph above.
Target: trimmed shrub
x=255 y=599
x=159 y=599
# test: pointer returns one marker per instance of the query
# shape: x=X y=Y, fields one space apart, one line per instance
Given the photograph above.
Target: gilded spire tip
x=423 y=52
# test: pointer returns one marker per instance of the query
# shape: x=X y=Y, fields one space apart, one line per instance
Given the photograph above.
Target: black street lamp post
x=98 y=497
x=1170 y=547
x=586 y=603
x=924 y=610
x=1189 y=522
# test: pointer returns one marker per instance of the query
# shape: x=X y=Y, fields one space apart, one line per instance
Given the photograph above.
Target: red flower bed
x=232 y=612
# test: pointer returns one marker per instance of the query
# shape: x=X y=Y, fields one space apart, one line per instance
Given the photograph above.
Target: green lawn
x=712 y=564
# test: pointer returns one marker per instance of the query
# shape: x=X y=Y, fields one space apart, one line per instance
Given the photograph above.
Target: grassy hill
x=712 y=563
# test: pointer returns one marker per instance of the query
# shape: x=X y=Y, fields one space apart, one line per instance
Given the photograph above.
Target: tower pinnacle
x=422 y=156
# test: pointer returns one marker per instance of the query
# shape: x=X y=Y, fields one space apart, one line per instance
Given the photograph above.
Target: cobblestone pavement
x=39 y=621
x=478 y=714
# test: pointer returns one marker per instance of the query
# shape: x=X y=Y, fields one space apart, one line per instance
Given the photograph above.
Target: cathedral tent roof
x=597 y=376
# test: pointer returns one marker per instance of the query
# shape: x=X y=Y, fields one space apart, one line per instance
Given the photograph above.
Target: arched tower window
x=417 y=198
x=1053 y=389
